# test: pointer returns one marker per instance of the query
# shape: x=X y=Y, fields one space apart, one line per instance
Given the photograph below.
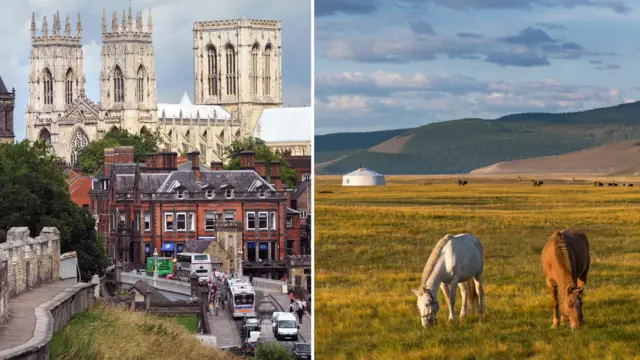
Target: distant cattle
x=537 y=183
x=597 y=183
x=612 y=184
x=627 y=184
x=462 y=182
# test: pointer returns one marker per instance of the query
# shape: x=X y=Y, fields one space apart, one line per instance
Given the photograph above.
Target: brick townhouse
x=163 y=206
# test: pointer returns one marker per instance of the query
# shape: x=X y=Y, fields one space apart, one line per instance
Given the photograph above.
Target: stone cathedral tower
x=128 y=77
x=56 y=82
x=238 y=65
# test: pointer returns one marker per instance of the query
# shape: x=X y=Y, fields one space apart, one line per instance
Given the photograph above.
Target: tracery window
x=231 y=70
x=68 y=87
x=140 y=84
x=267 y=70
x=80 y=140
x=212 y=70
x=254 y=69
x=118 y=85
x=47 y=86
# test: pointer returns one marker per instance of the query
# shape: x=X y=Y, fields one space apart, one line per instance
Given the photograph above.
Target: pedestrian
x=300 y=314
x=304 y=305
x=211 y=307
x=291 y=295
x=292 y=306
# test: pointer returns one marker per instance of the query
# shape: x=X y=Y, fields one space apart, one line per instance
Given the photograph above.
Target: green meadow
x=371 y=245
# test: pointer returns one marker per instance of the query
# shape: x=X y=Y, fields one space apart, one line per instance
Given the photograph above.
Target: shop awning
x=168 y=246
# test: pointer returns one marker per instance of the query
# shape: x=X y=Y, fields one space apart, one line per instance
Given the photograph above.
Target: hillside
x=616 y=158
x=460 y=146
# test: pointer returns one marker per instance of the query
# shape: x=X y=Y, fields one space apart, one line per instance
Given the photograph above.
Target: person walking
x=300 y=312
x=292 y=305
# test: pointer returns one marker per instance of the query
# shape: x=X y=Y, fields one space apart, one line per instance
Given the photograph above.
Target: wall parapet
x=52 y=316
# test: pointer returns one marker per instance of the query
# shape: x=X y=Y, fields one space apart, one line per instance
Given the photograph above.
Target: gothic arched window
x=267 y=69
x=80 y=140
x=118 y=85
x=231 y=70
x=47 y=87
x=45 y=136
x=68 y=87
x=140 y=84
x=254 y=69
x=212 y=70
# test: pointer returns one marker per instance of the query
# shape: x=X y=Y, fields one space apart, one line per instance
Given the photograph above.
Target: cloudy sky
x=384 y=64
x=172 y=37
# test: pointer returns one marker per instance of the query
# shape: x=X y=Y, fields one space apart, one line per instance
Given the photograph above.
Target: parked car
x=301 y=351
x=285 y=325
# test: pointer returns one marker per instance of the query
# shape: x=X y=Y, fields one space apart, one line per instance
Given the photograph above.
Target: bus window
x=200 y=257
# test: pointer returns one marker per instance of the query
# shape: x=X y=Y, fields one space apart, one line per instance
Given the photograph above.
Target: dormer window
x=180 y=194
x=105 y=184
x=228 y=193
x=303 y=214
x=209 y=194
x=262 y=193
x=305 y=177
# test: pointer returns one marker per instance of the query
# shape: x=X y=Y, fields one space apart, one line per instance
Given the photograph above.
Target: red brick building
x=79 y=186
x=160 y=205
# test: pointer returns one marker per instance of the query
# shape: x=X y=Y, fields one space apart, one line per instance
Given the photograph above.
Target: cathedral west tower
x=238 y=65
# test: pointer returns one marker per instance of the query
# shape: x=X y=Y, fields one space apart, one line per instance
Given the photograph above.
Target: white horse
x=454 y=261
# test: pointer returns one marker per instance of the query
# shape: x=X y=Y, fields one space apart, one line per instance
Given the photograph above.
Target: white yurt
x=363 y=177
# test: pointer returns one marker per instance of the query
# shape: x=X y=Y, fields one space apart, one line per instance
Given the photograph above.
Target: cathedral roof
x=190 y=111
x=3 y=89
x=285 y=125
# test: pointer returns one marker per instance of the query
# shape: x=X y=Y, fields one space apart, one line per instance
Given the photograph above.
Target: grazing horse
x=462 y=182
x=537 y=183
x=455 y=261
x=566 y=261
x=630 y=185
x=597 y=183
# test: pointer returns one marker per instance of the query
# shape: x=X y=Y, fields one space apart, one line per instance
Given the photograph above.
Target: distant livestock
x=597 y=183
x=612 y=184
x=537 y=183
x=566 y=261
x=462 y=182
x=444 y=270
x=627 y=184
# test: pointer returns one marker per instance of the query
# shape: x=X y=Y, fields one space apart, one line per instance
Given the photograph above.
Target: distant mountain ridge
x=460 y=146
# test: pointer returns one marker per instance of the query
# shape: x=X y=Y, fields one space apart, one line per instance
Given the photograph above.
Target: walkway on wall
x=22 y=318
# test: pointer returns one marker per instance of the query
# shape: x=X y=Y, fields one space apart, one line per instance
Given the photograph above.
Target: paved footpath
x=22 y=319
x=305 y=327
x=224 y=329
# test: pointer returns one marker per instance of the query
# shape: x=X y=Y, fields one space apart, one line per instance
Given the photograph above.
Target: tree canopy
x=34 y=194
x=91 y=158
x=288 y=175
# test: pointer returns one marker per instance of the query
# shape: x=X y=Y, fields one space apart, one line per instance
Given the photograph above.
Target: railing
x=263 y=264
x=202 y=195
x=179 y=287
x=299 y=260
x=268 y=284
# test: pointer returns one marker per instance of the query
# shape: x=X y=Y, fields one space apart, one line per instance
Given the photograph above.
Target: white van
x=285 y=325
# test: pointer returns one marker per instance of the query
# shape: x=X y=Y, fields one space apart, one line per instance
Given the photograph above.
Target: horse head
x=427 y=306
x=572 y=306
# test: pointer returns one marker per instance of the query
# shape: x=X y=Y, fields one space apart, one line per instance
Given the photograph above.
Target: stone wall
x=52 y=316
x=27 y=262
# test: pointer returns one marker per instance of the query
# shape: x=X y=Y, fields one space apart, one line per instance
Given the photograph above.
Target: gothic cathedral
x=238 y=73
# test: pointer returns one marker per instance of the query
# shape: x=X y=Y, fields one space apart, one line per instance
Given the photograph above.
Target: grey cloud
x=422 y=28
x=551 y=26
x=596 y=62
x=526 y=59
x=608 y=67
x=617 y=6
x=469 y=35
x=349 y=7
x=568 y=50
x=528 y=37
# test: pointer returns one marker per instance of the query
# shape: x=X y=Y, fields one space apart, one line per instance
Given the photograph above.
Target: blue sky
x=384 y=64
x=172 y=37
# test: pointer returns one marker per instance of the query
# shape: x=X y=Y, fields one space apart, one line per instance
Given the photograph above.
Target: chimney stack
x=161 y=162
x=247 y=160
x=194 y=156
x=123 y=154
x=109 y=158
x=275 y=175
x=217 y=165
x=261 y=168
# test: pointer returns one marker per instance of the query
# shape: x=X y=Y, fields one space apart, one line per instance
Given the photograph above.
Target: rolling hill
x=460 y=146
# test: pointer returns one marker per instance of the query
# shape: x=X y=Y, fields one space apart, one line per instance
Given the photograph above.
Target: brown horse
x=566 y=261
x=537 y=183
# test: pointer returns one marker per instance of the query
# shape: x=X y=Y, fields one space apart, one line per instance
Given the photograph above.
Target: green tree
x=91 y=158
x=272 y=351
x=288 y=175
x=34 y=194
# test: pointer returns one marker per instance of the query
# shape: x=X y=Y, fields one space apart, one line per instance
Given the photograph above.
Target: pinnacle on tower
x=56 y=24
x=114 y=22
x=45 y=28
x=33 y=25
x=139 y=21
x=124 y=22
x=150 y=21
x=79 y=27
x=67 y=26
x=130 y=19
x=104 y=20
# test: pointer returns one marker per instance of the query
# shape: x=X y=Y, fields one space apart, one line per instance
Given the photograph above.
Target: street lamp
x=155 y=266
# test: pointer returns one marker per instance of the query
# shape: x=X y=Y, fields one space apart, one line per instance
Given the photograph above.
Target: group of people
x=212 y=282
x=297 y=306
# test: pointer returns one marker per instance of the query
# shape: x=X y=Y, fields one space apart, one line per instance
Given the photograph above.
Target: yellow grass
x=372 y=243
x=107 y=333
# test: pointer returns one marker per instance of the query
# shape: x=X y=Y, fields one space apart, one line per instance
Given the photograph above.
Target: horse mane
x=562 y=252
x=433 y=258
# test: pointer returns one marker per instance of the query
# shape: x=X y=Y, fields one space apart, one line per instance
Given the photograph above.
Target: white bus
x=189 y=263
x=242 y=300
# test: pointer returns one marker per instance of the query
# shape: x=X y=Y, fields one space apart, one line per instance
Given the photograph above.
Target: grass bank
x=371 y=245
x=108 y=333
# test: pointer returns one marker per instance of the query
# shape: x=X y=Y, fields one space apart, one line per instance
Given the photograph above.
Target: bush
x=272 y=351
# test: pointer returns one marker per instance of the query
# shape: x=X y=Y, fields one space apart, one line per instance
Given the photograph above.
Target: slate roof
x=196 y=246
x=3 y=89
x=151 y=182
x=186 y=166
x=300 y=190
x=186 y=110
x=125 y=182
x=241 y=180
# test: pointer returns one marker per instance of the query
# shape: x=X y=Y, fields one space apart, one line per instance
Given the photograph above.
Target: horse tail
x=472 y=296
